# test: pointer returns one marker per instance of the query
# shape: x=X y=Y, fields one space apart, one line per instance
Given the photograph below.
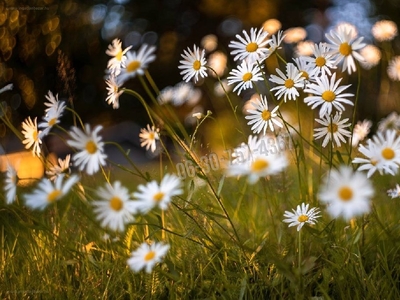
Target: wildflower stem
x=355 y=110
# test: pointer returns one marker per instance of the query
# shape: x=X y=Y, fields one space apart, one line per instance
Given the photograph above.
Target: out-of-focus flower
x=384 y=30
x=372 y=56
x=149 y=137
x=114 y=91
x=7 y=87
x=63 y=167
x=272 y=26
x=118 y=56
x=147 y=256
x=209 y=42
x=217 y=62
x=10 y=184
x=394 y=193
x=393 y=69
x=294 y=35
x=32 y=136
x=360 y=131
x=392 y=121
x=304 y=48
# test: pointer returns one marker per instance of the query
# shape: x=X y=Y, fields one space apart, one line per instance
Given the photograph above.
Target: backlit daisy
x=346 y=193
x=245 y=74
x=360 y=131
x=393 y=69
x=217 y=62
x=294 y=35
x=10 y=184
x=301 y=216
x=114 y=208
x=118 y=56
x=327 y=94
x=114 y=91
x=63 y=167
x=370 y=161
x=372 y=56
x=333 y=130
x=321 y=60
x=149 y=137
x=48 y=192
x=394 y=193
x=147 y=256
x=384 y=30
x=388 y=146
x=52 y=117
x=289 y=83
x=193 y=64
x=153 y=194
x=261 y=118
x=90 y=146
x=252 y=47
x=32 y=136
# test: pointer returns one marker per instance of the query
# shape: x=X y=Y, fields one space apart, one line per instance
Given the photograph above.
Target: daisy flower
x=394 y=193
x=10 y=184
x=245 y=152
x=346 y=193
x=245 y=74
x=275 y=42
x=52 y=117
x=137 y=62
x=52 y=102
x=327 y=94
x=252 y=47
x=217 y=62
x=118 y=56
x=294 y=35
x=333 y=129
x=153 y=194
x=306 y=69
x=114 y=208
x=393 y=69
x=7 y=87
x=91 y=149
x=272 y=26
x=301 y=216
x=344 y=47
x=321 y=60
x=261 y=117
x=31 y=135
x=48 y=192
x=360 y=131
x=149 y=137
x=304 y=48
x=384 y=30
x=289 y=83
x=372 y=56
x=147 y=256
x=63 y=167
x=193 y=64
x=370 y=162
x=392 y=121
x=388 y=146
x=114 y=91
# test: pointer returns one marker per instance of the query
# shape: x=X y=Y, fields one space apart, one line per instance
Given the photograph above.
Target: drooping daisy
x=393 y=69
x=388 y=146
x=252 y=47
x=32 y=136
x=391 y=121
x=147 y=256
x=137 y=62
x=360 y=131
x=384 y=30
x=153 y=194
x=346 y=193
x=301 y=216
x=7 y=87
x=333 y=129
x=114 y=207
x=90 y=146
x=372 y=56
x=321 y=60
x=344 y=47
x=289 y=83
x=118 y=56
x=245 y=74
x=261 y=118
x=394 y=193
x=193 y=64
x=149 y=137
x=63 y=167
x=52 y=117
x=276 y=41
x=10 y=184
x=370 y=162
x=48 y=192
x=327 y=94
x=114 y=91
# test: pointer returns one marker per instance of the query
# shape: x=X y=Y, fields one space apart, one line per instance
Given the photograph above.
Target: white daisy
x=52 y=101
x=166 y=95
x=48 y=192
x=394 y=193
x=384 y=30
x=294 y=35
x=63 y=167
x=301 y=216
x=304 y=48
x=391 y=121
x=52 y=117
x=147 y=256
x=91 y=149
x=7 y=87
x=346 y=193
x=32 y=136
x=153 y=194
x=388 y=146
x=328 y=94
x=360 y=131
x=372 y=56
x=217 y=62
x=289 y=83
x=261 y=117
x=118 y=56
x=193 y=64
x=370 y=162
x=114 y=209
x=393 y=69
x=10 y=184
x=276 y=41
x=321 y=60
x=245 y=151
x=252 y=47
x=333 y=129
x=149 y=137
x=306 y=69
x=114 y=91
x=272 y=26
x=245 y=74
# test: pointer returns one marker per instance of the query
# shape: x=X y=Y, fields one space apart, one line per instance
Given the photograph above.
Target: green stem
x=355 y=110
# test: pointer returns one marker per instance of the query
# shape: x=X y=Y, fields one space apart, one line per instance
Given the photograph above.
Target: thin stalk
x=355 y=109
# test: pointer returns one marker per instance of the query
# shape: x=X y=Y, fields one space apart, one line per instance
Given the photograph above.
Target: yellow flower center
x=345 y=193
x=35 y=135
x=302 y=218
x=251 y=47
x=149 y=256
x=53 y=196
x=259 y=165
x=266 y=115
x=388 y=153
x=151 y=135
x=320 y=61
x=345 y=49
x=119 y=55
x=332 y=128
x=305 y=75
x=197 y=65
x=248 y=76
x=52 y=121
x=91 y=147
x=158 y=196
x=289 y=83
x=116 y=203
x=133 y=66
x=328 y=96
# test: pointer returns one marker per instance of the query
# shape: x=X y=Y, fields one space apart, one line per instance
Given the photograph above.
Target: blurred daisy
x=114 y=91
x=392 y=121
x=360 y=131
x=91 y=149
x=394 y=193
x=193 y=64
x=217 y=62
x=222 y=87
x=261 y=117
x=252 y=47
x=301 y=216
x=114 y=209
x=384 y=30
x=393 y=69
x=344 y=47
x=63 y=167
x=52 y=102
x=327 y=94
x=245 y=74
x=118 y=56
x=346 y=193
x=52 y=117
x=153 y=194
x=321 y=60
x=7 y=87
x=48 y=192
x=32 y=136
x=388 y=146
x=10 y=184
x=272 y=26
x=333 y=130
x=372 y=56
x=304 y=48
x=370 y=162
x=289 y=83
x=137 y=62
x=166 y=95
x=147 y=256
x=209 y=42
x=347 y=27
x=294 y=35
x=149 y=137
x=245 y=151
